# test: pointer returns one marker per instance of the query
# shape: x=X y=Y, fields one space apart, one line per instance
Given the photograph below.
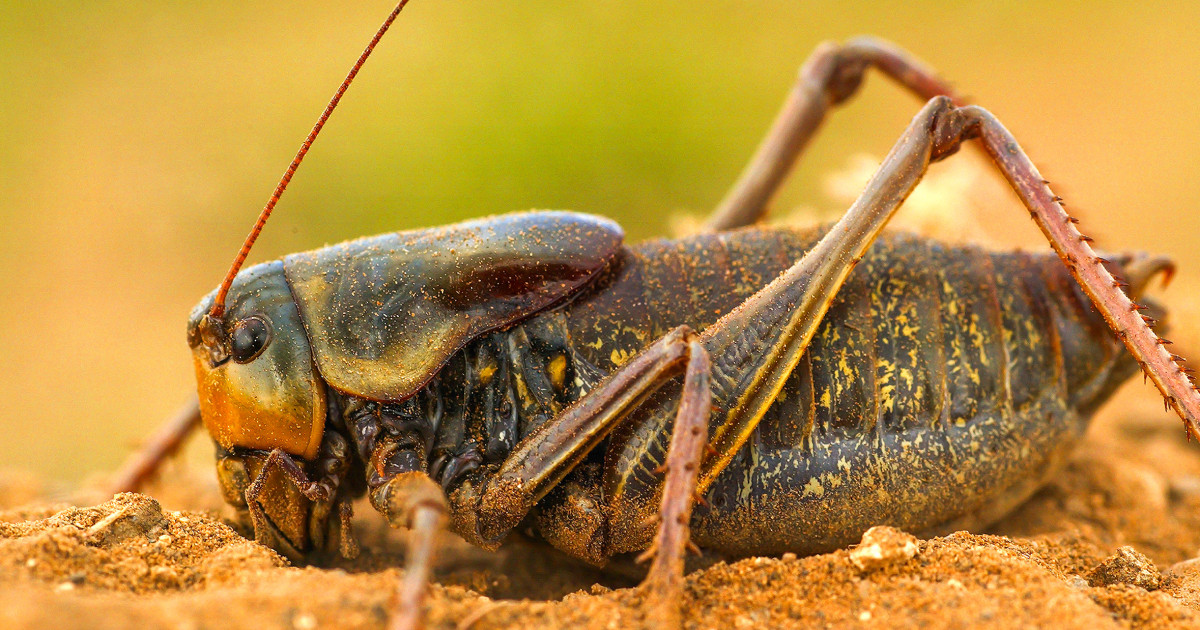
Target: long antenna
x=218 y=307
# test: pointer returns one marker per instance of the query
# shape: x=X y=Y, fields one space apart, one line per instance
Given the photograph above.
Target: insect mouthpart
x=394 y=440
x=280 y=515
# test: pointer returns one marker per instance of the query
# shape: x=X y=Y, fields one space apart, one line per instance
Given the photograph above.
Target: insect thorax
x=474 y=411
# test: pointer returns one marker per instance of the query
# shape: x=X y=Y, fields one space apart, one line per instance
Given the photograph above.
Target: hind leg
x=829 y=77
x=754 y=348
x=778 y=321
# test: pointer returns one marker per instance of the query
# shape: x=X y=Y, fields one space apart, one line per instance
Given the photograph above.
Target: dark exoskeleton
x=942 y=386
x=750 y=390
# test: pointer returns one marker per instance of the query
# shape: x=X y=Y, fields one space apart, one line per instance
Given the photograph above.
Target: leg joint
x=835 y=71
x=950 y=127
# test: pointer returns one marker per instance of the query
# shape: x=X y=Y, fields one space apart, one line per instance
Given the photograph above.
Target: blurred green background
x=140 y=139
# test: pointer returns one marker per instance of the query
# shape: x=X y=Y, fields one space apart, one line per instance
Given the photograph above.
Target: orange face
x=256 y=381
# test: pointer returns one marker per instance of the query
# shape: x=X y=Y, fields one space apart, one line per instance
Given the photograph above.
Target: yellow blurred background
x=141 y=138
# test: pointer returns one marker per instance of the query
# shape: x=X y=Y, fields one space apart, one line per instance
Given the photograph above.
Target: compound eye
x=249 y=337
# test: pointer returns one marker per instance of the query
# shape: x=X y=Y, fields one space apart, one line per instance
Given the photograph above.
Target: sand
x=1111 y=542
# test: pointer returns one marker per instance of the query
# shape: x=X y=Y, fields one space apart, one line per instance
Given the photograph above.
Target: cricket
x=749 y=390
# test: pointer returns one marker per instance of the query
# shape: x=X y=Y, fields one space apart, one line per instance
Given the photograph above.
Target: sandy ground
x=1111 y=542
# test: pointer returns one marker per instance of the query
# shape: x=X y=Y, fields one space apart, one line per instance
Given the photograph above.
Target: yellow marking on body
x=886 y=371
x=813 y=488
x=1035 y=337
x=887 y=402
x=638 y=333
x=977 y=339
x=747 y=486
x=619 y=356
x=833 y=480
x=485 y=375
x=557 y=371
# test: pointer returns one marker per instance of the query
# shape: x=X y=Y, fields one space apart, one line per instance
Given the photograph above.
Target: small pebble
x=32 y=562
x=64 y=587
x=883 y=546
x=864 y=615
x=788 y=557
x=1126 y=566
x=135 y=515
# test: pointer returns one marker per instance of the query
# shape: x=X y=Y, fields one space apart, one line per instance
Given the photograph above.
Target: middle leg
x=486 y=509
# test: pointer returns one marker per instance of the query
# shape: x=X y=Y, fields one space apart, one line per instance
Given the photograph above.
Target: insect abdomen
x=944 y=381
x=945 y=329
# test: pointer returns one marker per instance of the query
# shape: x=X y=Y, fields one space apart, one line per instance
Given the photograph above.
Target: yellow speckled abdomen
x=942 y=387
